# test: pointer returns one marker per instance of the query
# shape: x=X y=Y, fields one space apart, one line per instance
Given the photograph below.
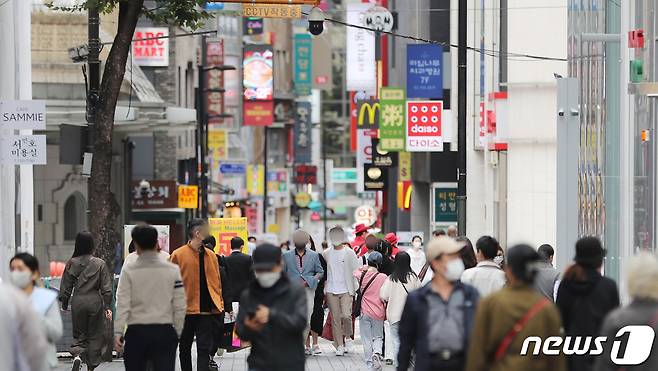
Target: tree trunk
x=103 y=207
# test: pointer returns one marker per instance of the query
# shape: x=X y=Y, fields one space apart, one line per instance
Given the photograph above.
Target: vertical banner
x=360 y=52
x=257 y=70
x=404 y=167
x=392 y=121
x=303 y=63
x=217 y=145
x=302 y=133
x=424 y=71
x=424 y=126
x=353 y=129
x=214 y=80
x=363 y=156
x=224 y=229
x=256 y=180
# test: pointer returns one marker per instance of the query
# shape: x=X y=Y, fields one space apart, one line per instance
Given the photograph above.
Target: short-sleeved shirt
x=445 y=321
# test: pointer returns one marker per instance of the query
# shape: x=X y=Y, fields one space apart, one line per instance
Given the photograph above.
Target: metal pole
x=324 y=181
x=461 y=92
x=265 y=180
x=202 y=139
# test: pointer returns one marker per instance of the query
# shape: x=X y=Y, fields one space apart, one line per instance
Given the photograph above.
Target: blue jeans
x=372 y=336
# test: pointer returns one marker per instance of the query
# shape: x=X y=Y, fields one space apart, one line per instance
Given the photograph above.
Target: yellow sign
x=271 y=10
x=404 y=161
x=256 y=180
x=224 y=229
x=217 y=145
x=302 y=199
x=372 y=108
x=188 y=197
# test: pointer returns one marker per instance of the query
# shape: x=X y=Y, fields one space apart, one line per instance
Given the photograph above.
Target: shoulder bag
x=356 y=305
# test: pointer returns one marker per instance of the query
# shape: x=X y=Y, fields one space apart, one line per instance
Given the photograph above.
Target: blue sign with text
x=424 y=71
x=214 y=6
x=232 y=169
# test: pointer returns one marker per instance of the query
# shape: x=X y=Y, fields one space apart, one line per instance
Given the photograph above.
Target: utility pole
x=202 y=138
x=94 y=65
x=461 y=93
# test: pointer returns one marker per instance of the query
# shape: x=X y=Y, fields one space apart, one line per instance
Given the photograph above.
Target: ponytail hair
x=522 y=261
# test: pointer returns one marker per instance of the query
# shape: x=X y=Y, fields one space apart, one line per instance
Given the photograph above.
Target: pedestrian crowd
x=442 y=305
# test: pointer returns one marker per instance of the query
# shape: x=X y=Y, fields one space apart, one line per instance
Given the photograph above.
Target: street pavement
x=327 y=361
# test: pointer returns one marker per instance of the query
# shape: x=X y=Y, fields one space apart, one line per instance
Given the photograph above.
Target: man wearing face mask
x=273 y=315
x=486 y=277
x=417 y=254
x=203 y=291
x=437 y=319
x=302 y=266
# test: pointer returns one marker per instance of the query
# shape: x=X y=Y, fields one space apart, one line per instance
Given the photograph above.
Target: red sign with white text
x=424 y=126
x=152 y=47
x=258 y=113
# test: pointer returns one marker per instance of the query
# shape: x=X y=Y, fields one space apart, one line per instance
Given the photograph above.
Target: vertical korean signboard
x=424 y=126
x=214 y=80
x=302 y=133
x=361 y=68
x=303 y=73
x=392 y=121
x=258 y=85
x=424 y=74
x=152 y=47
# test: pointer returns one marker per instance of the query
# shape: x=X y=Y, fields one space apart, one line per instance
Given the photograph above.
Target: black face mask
x=209 y=242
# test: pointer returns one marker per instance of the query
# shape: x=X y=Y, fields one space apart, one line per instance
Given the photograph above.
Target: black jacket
x=240 y=269
x=225 y=278
x=583 y=306
x=279 y=346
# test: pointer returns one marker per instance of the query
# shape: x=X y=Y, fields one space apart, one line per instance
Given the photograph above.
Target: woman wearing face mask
x=25 y=275
x=500 y=258
x=417 y=254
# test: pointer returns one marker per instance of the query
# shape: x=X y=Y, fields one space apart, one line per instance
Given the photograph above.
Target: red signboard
x=214 y=80
x=258 y=113
x=424 y=126
x=306 y=174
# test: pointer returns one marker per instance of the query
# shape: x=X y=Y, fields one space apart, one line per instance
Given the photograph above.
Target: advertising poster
x=424 y=71
x=257 y=70
x=361 y=68
x=152 y=47
x=217 y=145
x=424 y=126
x=256 y=180
x=392 y=121
x=302 y=71
x=302 y=133
x=163 y=237
x=224 y=229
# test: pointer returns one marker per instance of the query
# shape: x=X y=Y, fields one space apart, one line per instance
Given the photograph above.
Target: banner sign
x=303 y=73
x=424 y=126
x=376 y=178
x=360 y=58
x=236 y=169
x=363 y=155
x=23 y=150
x=445 y=205
x=392 y=121
x=344 y=175
x=188 y=196
x=163 y=237
x=153 y=52
x=368 y=114
x=253 y=26
x=256 y=180
x=424 y=71
x=271 y=10
x=404 y=167
x=306 y=174
x=224 y=229
x=23 y=114
x=365 y=214
x=214 y=80
x=381 y=157
x=217 y=145
x=160 y=195
x=257 y=70
x=302 y=133
x=258 y=113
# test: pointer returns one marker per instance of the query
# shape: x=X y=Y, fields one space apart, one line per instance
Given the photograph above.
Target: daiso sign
x=150 y=47
x=424 y=126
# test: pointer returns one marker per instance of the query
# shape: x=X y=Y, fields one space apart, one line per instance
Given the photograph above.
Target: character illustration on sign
x=258 y=75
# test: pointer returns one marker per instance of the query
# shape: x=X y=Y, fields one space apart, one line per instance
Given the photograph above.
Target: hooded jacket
x=583 y=306
x=279 y=346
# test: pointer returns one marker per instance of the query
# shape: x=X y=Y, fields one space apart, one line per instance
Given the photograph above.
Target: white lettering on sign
x=424 y=131
x=23 y=114
x=151 y=47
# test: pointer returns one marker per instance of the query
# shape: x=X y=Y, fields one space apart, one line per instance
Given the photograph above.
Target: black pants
x=201 y=325
x=218 y=334
x=154 y=344
x=457 y=363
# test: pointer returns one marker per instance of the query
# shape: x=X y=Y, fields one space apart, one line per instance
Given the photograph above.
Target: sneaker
x=340 y=351
x=349 y=346
x=77 y=364
x=308 y=351
x=316 y=350
x=213 y=366
x=377 y=361
x=388 y=361
x=220 y=352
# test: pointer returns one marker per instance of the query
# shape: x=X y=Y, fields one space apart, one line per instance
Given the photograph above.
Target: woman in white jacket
x=394 y=292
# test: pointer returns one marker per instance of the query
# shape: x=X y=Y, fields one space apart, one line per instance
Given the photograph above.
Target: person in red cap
x=393 y=240
x=361 y=232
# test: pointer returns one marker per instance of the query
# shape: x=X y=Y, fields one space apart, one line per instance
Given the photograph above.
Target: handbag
x=327 y=329
x=518 y=327
x=356 y=305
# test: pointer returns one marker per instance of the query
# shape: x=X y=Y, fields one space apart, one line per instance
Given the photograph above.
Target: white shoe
x=340 y=351
x=377 y=361
x=77 y=364
x=308 y=351
x=349 y=346
x=316 y=350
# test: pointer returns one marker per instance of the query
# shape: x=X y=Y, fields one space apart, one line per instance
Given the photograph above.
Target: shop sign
x=424 y=71
x=151 y=48
x=424 y=126
x=302 y=133
x=392 y=120
x=23 y=114
x=303 y=73
x=188 y=196
x=161 y=194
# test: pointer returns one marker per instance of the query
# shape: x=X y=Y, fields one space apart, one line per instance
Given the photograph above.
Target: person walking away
x=360 y=235
x=416 y=254
x=437 y=319
x=273 y=315
x=548 y=278
x=507 y=317
x=23 y=343
x=394 y=293
x=370 y=245
x=486 y=277
x=467 y=253
x=240 y=268
x=203 y=294
x=642 y=283
x=302 y=266
x=585 y=297
x=132 y=257
x=438 y=233
x=87 y=278
x=385 y=248
x=317 y=316
x=150 y=307
x=340 y=288
x=393 y=240
x=25 y=275
x=372 y=311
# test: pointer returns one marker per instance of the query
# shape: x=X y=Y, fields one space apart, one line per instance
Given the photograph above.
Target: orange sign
x=188 y=196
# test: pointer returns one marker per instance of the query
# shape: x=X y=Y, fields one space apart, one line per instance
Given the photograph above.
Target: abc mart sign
x=424 y=129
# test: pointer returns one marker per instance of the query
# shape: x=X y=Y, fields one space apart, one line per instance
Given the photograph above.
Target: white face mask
x=267 y=279
x=21 y=279
x=498 y=260
x=454 y=270
x=417 y=245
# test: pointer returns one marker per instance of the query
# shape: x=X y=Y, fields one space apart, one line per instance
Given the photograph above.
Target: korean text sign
x=224 y=229
x=424 y=71
x=303 y=72
x=392 y=120
x=24 y=150
x=424 y=126
x=302 y=133
x=445 y=205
